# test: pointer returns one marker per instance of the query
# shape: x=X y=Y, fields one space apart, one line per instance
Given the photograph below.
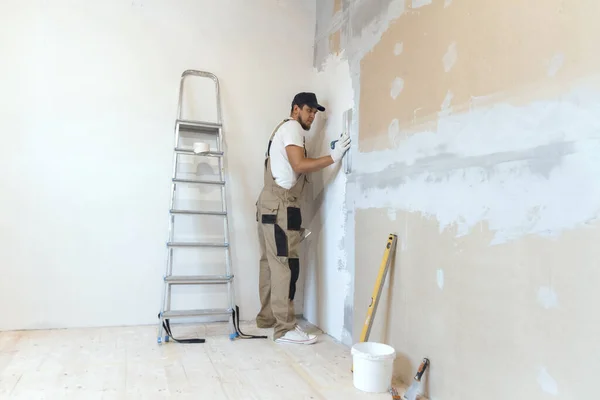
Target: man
x=280 y=219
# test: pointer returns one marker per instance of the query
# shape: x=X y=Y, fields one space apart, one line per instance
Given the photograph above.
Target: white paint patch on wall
x=555 y=64
x=547 y=297
x=446 y=106
x=447 y=3
x=394 y=132
x=397 y=87
x=440 y=278
x=447 y=100
x=398 y=48
x=392 y=214
x=547 y=382
x=450 y=57
x=328 y=282
x=421 y=3
x=540 y=158
x=499 y=128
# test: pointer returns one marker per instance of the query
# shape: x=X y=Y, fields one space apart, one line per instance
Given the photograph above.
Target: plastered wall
x=328 y=280
x=476 y=135
x=429 y=63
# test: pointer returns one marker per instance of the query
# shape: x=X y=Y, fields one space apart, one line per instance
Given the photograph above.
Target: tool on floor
x=194 y=129
x=413 y=390
x=386 y=261
x=394 y=393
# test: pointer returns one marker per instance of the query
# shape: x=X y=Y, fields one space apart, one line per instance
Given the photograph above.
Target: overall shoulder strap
x=273 y=134
x=304 y=145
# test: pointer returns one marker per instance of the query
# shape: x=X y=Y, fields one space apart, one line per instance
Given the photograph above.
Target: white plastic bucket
x=373 y=366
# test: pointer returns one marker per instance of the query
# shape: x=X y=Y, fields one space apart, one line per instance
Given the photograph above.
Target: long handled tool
x=383 y=269
x=413 y=390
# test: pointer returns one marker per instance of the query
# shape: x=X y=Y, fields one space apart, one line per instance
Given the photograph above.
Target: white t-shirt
x=290 y=133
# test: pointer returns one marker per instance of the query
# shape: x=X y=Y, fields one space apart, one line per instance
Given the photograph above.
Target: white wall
x=328 y=280
x=88 y=101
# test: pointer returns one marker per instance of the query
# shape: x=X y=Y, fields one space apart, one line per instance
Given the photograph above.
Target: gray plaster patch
x=324 y=17
x=321 y=51
x=338 y=22
x=366 y=11
x=348 y=317
x=551 y=158
x=541 y=160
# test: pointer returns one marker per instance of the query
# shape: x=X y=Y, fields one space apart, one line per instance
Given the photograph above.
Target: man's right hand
x=340 y=147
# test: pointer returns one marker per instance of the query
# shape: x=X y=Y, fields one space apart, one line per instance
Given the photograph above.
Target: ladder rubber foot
x=233 y=336
x=159 y=340
x=166 y=339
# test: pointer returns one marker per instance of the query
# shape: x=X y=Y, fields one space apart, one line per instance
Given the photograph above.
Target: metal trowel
x=347 y=119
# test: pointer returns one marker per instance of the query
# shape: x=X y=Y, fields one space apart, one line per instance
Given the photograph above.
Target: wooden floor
x=127 y=363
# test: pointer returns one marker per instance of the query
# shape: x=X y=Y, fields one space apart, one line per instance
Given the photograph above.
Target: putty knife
x=347 y=122
x=305 y=233
x=413 y=390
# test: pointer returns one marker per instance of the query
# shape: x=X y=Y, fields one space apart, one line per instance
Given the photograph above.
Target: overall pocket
x=267 y=211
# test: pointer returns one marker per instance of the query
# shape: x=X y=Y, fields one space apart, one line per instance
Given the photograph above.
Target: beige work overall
x=279 y=231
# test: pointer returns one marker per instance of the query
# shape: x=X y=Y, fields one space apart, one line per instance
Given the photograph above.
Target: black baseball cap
x=309 y=99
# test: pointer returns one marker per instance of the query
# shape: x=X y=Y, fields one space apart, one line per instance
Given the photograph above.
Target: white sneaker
x=297 y=336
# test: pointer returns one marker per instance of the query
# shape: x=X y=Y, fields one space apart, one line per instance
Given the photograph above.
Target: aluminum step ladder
x=199 y=128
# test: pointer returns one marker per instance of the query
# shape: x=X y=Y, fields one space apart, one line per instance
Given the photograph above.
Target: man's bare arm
x=301 y=164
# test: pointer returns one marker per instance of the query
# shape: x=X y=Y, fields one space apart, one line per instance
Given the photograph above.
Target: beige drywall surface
x=486 y=166
x=88 y=101
x=443 y=56
x=497 y=322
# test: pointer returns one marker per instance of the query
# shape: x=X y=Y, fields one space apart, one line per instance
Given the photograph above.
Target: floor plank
x=127 y=363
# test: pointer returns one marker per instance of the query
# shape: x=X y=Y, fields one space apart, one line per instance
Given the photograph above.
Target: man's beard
x=303 y=124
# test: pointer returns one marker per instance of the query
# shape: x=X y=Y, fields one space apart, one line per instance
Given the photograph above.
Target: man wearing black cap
x=280 y=218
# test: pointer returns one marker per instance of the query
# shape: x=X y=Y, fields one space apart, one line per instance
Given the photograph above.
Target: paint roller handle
x=421 y=370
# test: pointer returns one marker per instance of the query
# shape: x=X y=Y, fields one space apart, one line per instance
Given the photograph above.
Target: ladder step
x=199 y=279
x=198 y=126
x=196 y=244
x=199 y=182
x=196 y=313
x=194 y=212
x=191 y=153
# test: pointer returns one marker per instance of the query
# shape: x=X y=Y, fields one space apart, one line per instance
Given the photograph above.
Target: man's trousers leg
x=265 y=318
x=281 y=232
